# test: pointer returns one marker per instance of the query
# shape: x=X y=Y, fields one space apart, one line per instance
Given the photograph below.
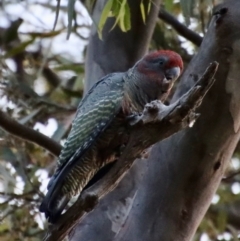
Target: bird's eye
x=161 y=63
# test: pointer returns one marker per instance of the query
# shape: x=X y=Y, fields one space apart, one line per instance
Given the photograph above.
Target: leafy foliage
x=121 y=11
x=118 y=9
x=37 y=87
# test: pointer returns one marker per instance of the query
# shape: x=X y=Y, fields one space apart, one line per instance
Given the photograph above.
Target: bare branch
x=237 y=149
x=13 y=127
x=180 y=28
x=231 y=177
x=51 y=76
x=156 y=123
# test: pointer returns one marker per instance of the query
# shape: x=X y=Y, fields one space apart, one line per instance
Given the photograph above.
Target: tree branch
x=180 y=28
x=13 y=127
x=237 y=149
x=230 y=178
x=157 y=122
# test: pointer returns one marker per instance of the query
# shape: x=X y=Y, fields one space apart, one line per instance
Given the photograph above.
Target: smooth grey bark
x=165 y=197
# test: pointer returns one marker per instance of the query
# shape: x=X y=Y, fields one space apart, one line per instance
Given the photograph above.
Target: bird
x=99 y=130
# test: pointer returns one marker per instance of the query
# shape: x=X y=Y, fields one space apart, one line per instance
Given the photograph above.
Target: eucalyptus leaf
x=104 y=16
x=45 y=34
x=127 y=18
x=20 y=48
x=71 y=4
x=57 y=14
x=74 y=67
x=143 y=12
x=120 y=17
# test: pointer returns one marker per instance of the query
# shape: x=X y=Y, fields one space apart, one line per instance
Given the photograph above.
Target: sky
x=38 y=18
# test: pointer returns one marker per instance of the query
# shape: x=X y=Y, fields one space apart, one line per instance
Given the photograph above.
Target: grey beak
x=173 y=73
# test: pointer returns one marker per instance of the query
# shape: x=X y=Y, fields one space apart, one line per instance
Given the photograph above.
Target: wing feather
x=94 y=115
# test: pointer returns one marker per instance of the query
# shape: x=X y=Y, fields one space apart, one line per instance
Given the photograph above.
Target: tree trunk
x=165 y=197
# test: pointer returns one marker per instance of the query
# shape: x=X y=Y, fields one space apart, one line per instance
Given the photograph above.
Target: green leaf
x=149 y=6
x=57 y=14
x=143 y=12
x=77 y=68
x=45 y=35
x=72 y=93
x=20 y=48
x=116 y=8
x=104 y=16
x=71 y=4
x=168 y=5
x=127 y=18
x=120 y=17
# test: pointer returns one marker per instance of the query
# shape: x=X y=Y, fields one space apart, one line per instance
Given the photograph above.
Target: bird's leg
x=133 y=117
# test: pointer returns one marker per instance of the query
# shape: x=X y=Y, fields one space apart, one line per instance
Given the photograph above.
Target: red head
x=158 y=71
x=160 y=61
x=171 y=58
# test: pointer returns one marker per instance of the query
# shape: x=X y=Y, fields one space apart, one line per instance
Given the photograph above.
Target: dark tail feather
x=54 y=202
x=100 y=174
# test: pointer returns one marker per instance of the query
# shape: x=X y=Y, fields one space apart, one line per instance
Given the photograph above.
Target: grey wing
x=95 y=113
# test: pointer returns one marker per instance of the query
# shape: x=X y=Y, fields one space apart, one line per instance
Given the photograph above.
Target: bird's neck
x=134 y=95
